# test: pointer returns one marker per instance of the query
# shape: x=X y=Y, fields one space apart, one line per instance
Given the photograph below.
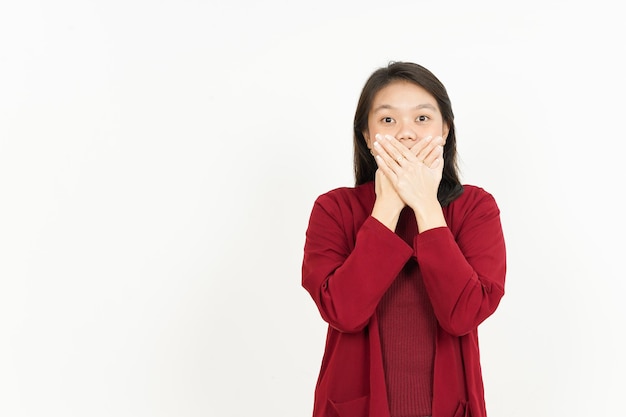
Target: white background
x=158 y=164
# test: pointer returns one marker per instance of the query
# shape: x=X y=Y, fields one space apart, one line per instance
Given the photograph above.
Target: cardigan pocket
x=357 y=407
x=462 y=410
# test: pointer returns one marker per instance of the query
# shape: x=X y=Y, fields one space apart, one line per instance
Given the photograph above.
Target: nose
x=406 y=132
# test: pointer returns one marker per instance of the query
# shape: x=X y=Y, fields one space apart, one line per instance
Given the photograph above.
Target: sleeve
x=465 y=277
x=347 y=279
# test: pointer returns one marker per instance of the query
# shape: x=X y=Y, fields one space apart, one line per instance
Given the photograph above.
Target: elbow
x=348 y=327
x=461 y=321
x=345 y=321
x=342 y=313
x=351 y=326
x=457 y=328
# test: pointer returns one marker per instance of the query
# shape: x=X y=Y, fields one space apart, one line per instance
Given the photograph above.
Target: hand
x=414 y=173
x=386 y=194
x=388 y=204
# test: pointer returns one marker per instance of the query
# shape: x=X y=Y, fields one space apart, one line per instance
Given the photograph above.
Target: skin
x=406 y=134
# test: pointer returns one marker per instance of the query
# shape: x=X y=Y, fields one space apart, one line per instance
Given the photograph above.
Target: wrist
x=429 y=215
x=387 y=214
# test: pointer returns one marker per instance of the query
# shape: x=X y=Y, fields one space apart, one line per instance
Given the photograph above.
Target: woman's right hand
x=388 y=204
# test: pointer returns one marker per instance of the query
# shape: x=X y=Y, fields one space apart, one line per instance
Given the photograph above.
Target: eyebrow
x=420 y=106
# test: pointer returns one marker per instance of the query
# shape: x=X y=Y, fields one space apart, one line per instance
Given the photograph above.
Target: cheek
x=437 y=130
x=430 y=131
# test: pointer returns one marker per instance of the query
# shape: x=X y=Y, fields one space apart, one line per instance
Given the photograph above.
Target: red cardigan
x=351 y=259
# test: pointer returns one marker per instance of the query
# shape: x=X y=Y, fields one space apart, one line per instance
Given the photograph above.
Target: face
x=407 y=112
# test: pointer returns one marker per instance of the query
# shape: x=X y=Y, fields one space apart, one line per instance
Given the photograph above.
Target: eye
x=387 y=120
x=422 y=118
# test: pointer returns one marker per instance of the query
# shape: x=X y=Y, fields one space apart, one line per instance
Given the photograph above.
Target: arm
x=347 y=275
x=464 y=277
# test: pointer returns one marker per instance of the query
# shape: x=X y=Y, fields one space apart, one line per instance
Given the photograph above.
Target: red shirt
x=350 y=261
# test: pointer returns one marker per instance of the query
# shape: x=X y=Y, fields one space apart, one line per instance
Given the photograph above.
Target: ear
x=368 y=142
x=446 y=130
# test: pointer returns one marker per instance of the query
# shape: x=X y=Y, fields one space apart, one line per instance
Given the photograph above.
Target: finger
x=435 y=154
x=384 y=168
x=432 y=144
x=421 y=145
x=396 y=149
x=388 y=153
x=438 y=162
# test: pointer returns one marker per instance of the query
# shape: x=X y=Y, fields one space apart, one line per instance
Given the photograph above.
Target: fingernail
x=388 y=137
x=376 y=144
x=428 y=138
x=378 y=136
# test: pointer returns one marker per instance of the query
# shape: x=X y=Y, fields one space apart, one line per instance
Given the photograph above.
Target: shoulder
x=346 y=204
x=474 y=203
x=473 y=194
x=347 y=196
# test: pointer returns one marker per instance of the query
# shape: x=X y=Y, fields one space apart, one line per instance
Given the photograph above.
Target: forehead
x=402 y=93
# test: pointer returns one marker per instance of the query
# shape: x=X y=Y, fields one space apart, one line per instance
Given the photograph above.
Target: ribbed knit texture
x=407 y=330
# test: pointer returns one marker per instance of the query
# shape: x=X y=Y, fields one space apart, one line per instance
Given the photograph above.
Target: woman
x=405 y=265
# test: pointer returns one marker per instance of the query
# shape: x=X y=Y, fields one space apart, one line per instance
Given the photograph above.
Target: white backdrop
x=159 y=160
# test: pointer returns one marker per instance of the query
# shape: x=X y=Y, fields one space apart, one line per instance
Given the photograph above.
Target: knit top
x=407 y=326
